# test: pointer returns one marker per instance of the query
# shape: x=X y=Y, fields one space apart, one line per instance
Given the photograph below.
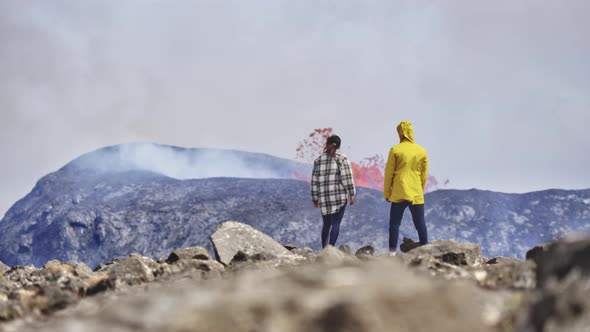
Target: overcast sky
x=498 y=91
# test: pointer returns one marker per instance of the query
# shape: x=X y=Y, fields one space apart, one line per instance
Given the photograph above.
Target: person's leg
x=419 y=222
x=395 y=219
x=335 y=229
x=326 y=229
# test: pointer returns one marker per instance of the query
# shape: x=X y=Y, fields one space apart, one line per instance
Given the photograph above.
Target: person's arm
x=388 y=175
x=347 y=180
x=424 y=171
x=315 y=184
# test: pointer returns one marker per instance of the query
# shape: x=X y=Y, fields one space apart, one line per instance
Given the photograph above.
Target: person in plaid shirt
x=331 y=184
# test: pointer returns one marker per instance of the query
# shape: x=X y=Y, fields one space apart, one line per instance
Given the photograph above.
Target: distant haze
x=498 y=91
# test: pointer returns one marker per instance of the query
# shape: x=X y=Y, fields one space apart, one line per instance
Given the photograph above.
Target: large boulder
x=558 y=259
x=537 y=251
x=446 y=251
x=506 y=272
x=558 y=306
x=561 y=301
x=232 y=237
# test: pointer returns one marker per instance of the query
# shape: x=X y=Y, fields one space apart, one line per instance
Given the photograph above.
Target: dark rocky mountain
x=109 y=204
x=507 y=224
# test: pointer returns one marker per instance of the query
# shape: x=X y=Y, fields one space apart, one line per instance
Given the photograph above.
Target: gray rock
x=52 y=263
x=3 y=268
x=63 y=275
x=241 y=257
x=72 y=269
x=561 y=301
x=52 y=298
x=365 y=251
x=191 y=269
x=99 y=282
x=81 y=270
x=306 y=252
x=558 y=306
x=450 y=252
x=199 y=253
x=560 y=258
x=290 y=246
x=258 y=261
x=231 y=237
x=133 y=270
x=502 y=260
x=104 y=267
x=537 y=251
x=345 y=248
x=503 y=272
x=332 y=256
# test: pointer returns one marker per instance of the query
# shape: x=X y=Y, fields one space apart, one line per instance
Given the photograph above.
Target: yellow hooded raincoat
x=407 y=168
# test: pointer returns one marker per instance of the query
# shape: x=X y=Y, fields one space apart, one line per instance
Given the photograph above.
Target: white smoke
x=181 y=163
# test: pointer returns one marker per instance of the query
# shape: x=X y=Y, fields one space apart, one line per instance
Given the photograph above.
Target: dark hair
x=334 y=140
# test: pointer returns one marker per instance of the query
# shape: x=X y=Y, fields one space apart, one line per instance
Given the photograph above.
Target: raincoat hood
x=405 y=130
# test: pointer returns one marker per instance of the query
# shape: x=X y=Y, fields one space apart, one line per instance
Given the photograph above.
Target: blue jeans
x=332 y=226
x=395 y=220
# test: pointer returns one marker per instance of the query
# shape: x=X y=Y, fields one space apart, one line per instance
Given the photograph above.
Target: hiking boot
x=408 y=244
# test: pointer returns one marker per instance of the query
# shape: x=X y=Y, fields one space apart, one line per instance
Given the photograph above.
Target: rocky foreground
x=256 y=284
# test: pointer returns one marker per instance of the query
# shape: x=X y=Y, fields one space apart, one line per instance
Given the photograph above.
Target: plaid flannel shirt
x=331 y=182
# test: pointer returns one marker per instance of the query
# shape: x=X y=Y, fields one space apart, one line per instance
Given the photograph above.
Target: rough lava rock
x=446 y=281
x=537 y=251
x=446 y=251
x=199 y=253
x=232 y=237
x=3 y=268
x=561 y=301
x=453 y=260
x=558 y=259
x=345 y=248
x=370 y=296
x=333 y=256
x=133 y=270
x=365 y=251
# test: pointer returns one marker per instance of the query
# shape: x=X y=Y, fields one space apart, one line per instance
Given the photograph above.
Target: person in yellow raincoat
x=405 y=177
